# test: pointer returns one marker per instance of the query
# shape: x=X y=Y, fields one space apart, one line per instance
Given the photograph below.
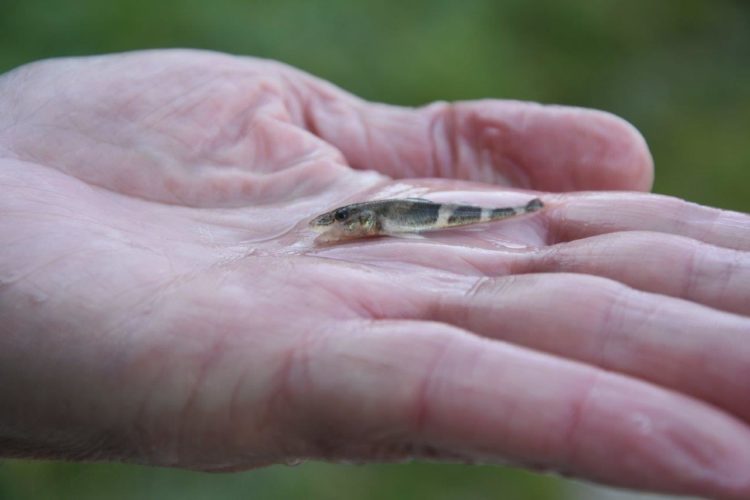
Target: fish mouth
x=334 y=234
x=320 y=224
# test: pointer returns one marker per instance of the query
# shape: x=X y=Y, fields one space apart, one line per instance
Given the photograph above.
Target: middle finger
x=674 y=343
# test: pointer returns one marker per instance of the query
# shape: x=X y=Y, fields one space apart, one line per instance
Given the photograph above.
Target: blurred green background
x=677 y=69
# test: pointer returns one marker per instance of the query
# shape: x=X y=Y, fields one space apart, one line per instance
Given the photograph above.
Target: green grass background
x=677 y=69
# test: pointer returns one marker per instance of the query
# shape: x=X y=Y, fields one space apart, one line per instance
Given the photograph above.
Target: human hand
x=163 y=302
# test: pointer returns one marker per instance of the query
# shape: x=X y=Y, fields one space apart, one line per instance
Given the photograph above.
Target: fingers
x=586 y=214
x=673 y=343
x=380 y=390
x=655 y=262
x=550 y=148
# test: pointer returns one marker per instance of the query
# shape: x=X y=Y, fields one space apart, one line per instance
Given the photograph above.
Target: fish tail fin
x=534 y=205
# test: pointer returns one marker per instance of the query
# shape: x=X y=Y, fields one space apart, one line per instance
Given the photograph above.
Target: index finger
x=581 y=215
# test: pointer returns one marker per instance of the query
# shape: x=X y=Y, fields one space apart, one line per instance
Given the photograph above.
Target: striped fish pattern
x=405 y=216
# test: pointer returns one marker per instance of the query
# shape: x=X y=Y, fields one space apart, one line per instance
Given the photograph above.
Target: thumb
x=517 y=144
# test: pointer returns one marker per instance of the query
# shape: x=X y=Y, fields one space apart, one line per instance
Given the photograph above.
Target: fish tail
x=534 y=205
x=503 y=213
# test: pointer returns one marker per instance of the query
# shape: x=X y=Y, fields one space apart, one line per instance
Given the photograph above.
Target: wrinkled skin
x=162 y=300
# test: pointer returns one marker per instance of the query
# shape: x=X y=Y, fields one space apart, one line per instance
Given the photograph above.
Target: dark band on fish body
x=499 y=213
x=418 y=212
x=465 y=213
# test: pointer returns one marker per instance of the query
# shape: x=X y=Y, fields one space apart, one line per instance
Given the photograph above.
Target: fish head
x=344 y=223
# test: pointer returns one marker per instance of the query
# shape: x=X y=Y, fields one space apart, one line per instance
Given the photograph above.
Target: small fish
x=402 y=217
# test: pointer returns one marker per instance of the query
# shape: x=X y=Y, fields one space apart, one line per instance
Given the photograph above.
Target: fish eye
x=341 y=214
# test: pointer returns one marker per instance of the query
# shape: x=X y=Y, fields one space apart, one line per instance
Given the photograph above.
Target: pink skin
x=163 y=302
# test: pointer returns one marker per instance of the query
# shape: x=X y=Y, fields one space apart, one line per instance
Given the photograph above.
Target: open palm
x=163 y=301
